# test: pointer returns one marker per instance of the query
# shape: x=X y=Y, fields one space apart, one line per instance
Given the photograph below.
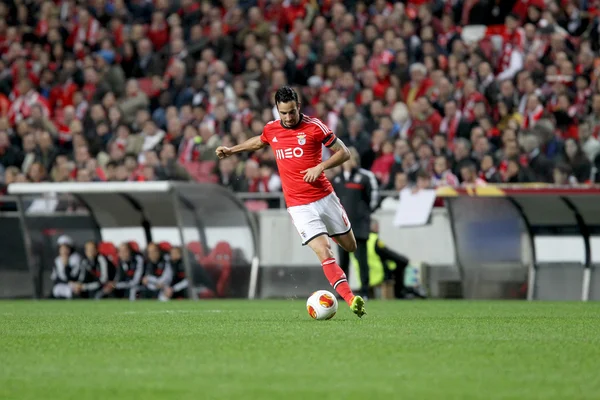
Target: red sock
x=337 y=279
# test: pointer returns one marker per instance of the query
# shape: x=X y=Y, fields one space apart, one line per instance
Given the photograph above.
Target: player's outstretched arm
x=251 y=144
x=341 y=154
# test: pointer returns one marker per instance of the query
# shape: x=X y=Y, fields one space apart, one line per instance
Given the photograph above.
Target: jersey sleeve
x=323 y=133
x=264 y=136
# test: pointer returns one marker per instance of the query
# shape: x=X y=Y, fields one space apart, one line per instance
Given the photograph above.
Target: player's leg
x=345 y=240
x=314 y=233
x=334 y=274
x=62 y=291
x=165 y=294
x=338 y=227
x=133 y=293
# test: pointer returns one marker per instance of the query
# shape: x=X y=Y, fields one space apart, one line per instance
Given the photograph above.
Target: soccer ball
x=321 y=305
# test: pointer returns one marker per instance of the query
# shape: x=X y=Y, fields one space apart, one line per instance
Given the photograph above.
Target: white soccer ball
x=321 y=305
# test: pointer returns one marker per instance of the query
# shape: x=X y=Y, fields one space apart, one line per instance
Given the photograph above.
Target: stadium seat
x=206 y=167
x=206 y=293
x=134 y=246
x=108 y=250
x=218 y=265
x=165 y=246
x=190 y=166
x=197 y=249
x=256 y=205
x=51 y=232
x=212 y=178
x=201 y=171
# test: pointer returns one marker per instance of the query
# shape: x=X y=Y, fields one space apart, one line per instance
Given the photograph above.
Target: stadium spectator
x=169 y=168
x=423 y=181
x=9 y=155
x=227 y=174
x=577 y=160
x=488 y=171
x=562 y=175
x=129 y=78
x=10 y=176
x=589 y=144
x=536 y=160
x=468 y=174
x=442 y=175
x=400 y=183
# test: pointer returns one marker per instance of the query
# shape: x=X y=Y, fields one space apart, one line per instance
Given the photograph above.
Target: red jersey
x=297 y=149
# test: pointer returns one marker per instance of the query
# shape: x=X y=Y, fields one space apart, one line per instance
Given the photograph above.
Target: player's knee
x=348 y=243
x=351 y=247
x=327 y=253
x=324 y=251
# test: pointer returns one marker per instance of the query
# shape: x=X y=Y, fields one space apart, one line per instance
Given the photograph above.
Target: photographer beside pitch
x=358 y=192
x=297 y=141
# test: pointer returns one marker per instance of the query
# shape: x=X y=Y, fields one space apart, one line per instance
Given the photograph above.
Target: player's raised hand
x=312 y=174
x=223 y=152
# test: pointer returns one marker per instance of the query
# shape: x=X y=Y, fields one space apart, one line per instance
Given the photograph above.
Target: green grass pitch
x=273 y=350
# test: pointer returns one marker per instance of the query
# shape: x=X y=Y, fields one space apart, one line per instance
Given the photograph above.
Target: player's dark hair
x=285 y=94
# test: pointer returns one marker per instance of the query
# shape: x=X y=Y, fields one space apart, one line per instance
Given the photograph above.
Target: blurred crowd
x=142 y=90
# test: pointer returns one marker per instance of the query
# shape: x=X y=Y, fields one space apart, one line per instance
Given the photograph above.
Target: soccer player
x=297 y=140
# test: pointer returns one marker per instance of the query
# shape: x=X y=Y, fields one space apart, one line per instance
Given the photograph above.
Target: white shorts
x=322 y=217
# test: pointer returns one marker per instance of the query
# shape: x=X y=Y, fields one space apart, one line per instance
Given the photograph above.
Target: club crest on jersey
x=301 y=138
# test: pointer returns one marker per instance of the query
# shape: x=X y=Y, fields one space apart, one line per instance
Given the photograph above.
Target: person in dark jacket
x=179 y=284
x=65 y=270
x=129 y=272
x=541 y=167
x=95 y=274
x=158 y=273
x=574 y=156
x=357 y=190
